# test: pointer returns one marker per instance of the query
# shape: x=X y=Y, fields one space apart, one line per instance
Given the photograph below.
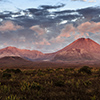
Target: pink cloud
x=67 y=31
x=87 y=27
x=38 y=29
x=91 y=1
x=82 y=30
x=57 y=40
x=43 y=42
x=9 y=26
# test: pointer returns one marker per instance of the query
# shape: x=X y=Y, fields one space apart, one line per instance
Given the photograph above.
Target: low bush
x=6 y=75
x=17 y=71
x=59 y=83
x=85 y=69
x=13 y=70
x=9 y=70
x=36 y=86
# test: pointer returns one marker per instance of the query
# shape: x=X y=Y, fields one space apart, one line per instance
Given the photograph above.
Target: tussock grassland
x=50 y=84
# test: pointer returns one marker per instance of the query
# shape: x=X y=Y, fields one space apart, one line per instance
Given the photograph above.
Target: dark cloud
x=44 y=18
x=38 y=12
x=68 y=17
x=51 y=7
x=90 y=13
x=5 y=15
x=65 y=11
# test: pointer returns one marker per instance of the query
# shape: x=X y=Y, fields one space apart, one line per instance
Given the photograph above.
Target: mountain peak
x=11 y=47
x=81 y=39
x=85 y=42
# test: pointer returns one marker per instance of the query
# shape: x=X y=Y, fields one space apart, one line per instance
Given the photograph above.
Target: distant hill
x=13 y=61
x=17 y=62
x=23 y=53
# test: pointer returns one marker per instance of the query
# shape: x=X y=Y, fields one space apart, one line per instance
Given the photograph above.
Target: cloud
x=82 y=30
x=87 y=27
x=9 y=26
x=92 y=1
x=52 y=7
x=79 y=0
x=67 y=31
x=38 y=29
x=90 y=13
x=22 y=39
x=48 y=27
x=44 y=42
x=57 y=40
x=46 y=18
x=41 y=44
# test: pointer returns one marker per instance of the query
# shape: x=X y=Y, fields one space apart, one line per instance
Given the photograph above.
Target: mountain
x=23 y=53
x=81 y=49
x=14 y=61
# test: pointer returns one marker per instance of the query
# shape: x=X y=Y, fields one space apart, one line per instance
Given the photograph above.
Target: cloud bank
x=9 y=26
x=83 y=30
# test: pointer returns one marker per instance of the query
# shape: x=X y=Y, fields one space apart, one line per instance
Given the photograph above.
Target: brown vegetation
x=50 y=84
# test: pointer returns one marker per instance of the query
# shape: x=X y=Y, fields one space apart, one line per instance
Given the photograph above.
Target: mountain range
x=23 y=53
x=82 y=49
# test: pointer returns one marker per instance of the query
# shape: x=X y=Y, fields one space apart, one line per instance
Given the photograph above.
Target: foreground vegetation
x=50 y=84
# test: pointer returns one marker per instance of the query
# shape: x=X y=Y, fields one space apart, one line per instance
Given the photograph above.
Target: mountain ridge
x=80 y=49
x=24 y=53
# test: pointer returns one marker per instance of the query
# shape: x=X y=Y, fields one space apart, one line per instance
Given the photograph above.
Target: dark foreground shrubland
x=50 y=84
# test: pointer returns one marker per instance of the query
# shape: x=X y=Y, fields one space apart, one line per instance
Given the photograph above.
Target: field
x=50 y=84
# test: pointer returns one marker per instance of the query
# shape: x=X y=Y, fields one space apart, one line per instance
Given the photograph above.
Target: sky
x=48 y=25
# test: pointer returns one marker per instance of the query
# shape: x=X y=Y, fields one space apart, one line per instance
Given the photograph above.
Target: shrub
x=40 y=73
x=93 y=98
x=17 y=71
x=49 y=70
x=71 y=69
x=9 y=70
x=25 y=86
x=85 y=69
x=59 y=83
x=36 y=86
x=6 y=75
x=68 y=69
x=13 y=70
x=12 y=97
x=58 y=69
x=87 y=83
